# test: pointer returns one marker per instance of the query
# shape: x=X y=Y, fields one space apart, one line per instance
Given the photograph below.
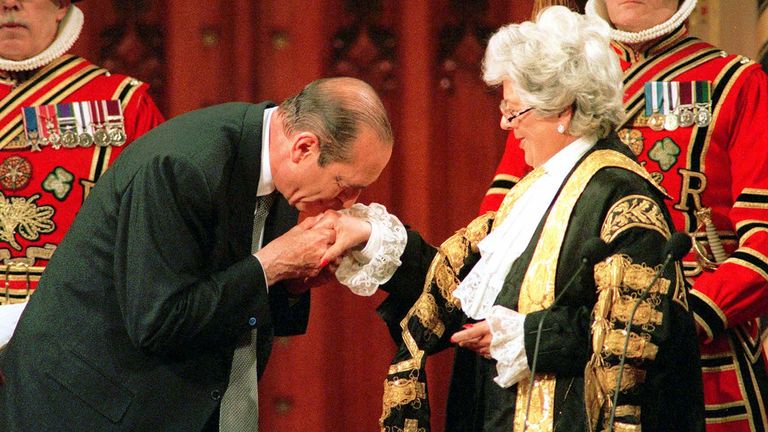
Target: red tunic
x=723 y=167
x=42 y=190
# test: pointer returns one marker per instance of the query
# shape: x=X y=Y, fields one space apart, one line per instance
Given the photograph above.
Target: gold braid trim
x=628 y=411
x=633 y=211
x=402 y=391
x=626 y=427
x=636 y=277
x=644 y=315
x=638 y=347
x=630 y=378
x=411 y=425
x=425 y=309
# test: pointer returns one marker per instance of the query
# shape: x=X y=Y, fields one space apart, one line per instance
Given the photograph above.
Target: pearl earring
x=561 y=128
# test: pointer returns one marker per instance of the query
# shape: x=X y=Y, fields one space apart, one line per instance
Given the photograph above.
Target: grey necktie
x=240 y=404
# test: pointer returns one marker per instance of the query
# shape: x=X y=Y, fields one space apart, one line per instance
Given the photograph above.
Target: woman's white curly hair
x=561 y=60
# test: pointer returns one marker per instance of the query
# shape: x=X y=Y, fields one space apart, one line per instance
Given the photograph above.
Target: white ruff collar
x=69 y=30
x=596 y=8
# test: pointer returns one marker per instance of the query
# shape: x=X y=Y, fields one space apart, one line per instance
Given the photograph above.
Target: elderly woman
x=499 y=277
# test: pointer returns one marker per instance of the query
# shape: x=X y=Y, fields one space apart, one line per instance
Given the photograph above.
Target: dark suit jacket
x=136 y=317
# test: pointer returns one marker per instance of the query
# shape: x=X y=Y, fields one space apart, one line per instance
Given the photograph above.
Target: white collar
x=69 y=31
x=596 y=8
x=266 y=183
x=563 y=161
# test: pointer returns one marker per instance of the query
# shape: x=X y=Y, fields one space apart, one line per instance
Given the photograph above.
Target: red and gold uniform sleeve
x=737 y=291
x=141 y=114
x=511 y=169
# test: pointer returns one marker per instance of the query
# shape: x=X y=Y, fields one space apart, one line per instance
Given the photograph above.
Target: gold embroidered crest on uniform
x=15 y=172
x=20 y=215
x=74 y=124
x=633 y=138
x=59 y=183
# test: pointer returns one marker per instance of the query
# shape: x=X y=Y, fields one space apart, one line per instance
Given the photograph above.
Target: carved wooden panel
x=366 y=48
x=128 y=37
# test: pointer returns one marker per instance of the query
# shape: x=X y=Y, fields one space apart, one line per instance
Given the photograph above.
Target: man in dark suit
x=135 y=321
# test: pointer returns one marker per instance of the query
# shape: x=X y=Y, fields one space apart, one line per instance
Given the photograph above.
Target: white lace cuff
x=365 y=270
x=508 y=345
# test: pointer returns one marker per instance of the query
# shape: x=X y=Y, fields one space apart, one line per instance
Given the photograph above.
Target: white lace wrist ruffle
x=508 y=345
x=363 y=278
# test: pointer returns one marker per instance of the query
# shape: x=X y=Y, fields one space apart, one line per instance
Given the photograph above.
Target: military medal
x=685 y=109
x=115 y=122
x=67 y=125
x=15 y=173
x=31 y=128
x=653 y=105
x=100 y=135
x=671 y=99
x=47 y=113
x=703 y=104
x=83 y=121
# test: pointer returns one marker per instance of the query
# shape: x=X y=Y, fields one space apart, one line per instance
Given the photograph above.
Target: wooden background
x=424 y=58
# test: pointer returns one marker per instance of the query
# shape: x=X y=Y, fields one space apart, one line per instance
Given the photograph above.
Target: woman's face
x=538 y=135
x=638 y=15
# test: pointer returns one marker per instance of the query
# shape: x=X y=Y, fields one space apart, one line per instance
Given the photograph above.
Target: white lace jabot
x=499 y=250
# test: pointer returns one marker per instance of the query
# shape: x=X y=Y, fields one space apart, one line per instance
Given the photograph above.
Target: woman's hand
x=476 y=337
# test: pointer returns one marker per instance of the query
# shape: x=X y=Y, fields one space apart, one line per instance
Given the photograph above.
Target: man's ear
x=63 y=6
x=304 y=145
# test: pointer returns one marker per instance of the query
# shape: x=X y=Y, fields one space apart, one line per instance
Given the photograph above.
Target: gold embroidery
x=633 y=276
x=638 y=347
x=412 y=425
x=478 y=229
x=21 y=215
x=425 y=309
x=446 y=281
x=629 y=378
x=406 y=365
x=402 y=391
x=537 y=289
x=628 y=410
x=630 y=212
x=626 y=427
x=455 y=249
x=644 y=315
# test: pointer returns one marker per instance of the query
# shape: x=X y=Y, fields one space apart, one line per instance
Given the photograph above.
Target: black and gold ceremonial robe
x=607 y=195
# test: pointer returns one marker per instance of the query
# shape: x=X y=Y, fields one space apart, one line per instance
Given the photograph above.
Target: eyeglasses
x=511 y=115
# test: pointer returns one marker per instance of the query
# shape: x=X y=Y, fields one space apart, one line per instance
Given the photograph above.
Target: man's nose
x=10 y=4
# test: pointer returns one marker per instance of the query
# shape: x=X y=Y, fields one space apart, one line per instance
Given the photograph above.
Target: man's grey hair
x=336 y=110
x=561 y=60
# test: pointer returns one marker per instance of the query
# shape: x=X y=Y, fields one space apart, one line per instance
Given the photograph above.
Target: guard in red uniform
x=63 y=121
x=697 y=118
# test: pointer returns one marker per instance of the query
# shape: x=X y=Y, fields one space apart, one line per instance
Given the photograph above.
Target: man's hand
x=297 y=253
